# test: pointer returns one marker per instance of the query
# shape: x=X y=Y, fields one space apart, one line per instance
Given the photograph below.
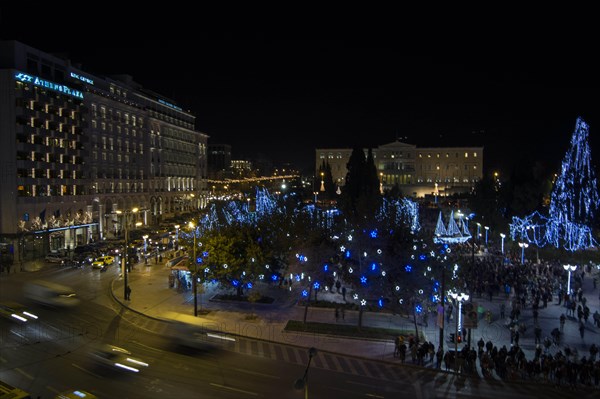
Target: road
x=52 y=355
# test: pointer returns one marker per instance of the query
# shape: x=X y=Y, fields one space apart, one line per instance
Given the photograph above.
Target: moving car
x=116 y=358
x=16 y=312
x=75 y=394
x=102 y=261
x=51 y=294
x=189 y=331
x=54 y=258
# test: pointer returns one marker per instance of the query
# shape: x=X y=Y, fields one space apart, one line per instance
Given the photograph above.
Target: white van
x=51 y=294
x=194 y=332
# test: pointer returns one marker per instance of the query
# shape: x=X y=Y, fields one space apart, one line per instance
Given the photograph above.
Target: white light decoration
x=364 y=254
x=420 y=292
x=397 y=288
x=355 y=296
x=225 y=266
x=428 y=268
x=350 y=238
x=401 y=301
x=334 y=274
x=350 y=270
x=379 y=252
x=383 y=273
x=363 y=302
x=342 y=248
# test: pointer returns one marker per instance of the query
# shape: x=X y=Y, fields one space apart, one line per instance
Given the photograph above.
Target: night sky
x=283 y=98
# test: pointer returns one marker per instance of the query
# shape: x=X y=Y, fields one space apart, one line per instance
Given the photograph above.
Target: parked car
x=102 y=261
x=54 y=258
x=116 y=358
x=16 y=312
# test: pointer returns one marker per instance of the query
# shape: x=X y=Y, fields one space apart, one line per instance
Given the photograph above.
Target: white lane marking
x=234 y=389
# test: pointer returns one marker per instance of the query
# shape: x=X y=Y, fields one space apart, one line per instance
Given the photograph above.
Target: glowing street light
x=194 y=276
x=523 y=245
x=569 y=268
x=177 y=236
x=459 y=297
x=502 y=236
x=487 y=228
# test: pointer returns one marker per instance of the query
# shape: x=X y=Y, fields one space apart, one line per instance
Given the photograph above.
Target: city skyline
x=283 y=99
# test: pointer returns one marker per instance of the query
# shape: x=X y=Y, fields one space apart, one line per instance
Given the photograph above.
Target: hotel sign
x=82 y=78
x=168 y=104
x=23 y=77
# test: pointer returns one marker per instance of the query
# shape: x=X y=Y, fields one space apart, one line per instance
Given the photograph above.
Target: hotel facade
x=76 y=148
x=416 y=171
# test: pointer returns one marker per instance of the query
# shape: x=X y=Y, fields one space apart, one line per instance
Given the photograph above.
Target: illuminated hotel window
x=428 y=155
x=420 y=155
x=466 y=155
x=104 y=156
x=474 y=166
x=447 y=155
x=474 y=155
x=103 y=125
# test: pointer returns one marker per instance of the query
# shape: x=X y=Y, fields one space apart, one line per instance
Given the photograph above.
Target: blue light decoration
x=380 y=302
x=304 y=293
x=235 y=283
x=316 y=285
x=363 y=279
x=373 y=233
x=274 y=277
x=326 y=267
x=373 y=266
x=418 y=309
x=573 y=205
x=402 y=212
x=450 y=234
x=249 y=285
x=199 y=259
x=408 y=268
x=347 y=253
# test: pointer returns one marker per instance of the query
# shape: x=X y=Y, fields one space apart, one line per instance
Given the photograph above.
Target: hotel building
x=75 y=148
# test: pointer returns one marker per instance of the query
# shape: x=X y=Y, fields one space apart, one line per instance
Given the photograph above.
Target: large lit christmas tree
x=575 y=194
x=574 y=203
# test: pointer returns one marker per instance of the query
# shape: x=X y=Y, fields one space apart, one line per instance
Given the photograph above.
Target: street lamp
x=487 y=228
x=569 y=268
x=194 y=276
x=502 y=236
x=177 y=237
x=125 y=261
x=523 y=245
x=459 y=298
x=145 y=237
x=303 y=382
x=478 y=230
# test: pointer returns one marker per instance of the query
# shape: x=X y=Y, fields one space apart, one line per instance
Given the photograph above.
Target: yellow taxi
x=102 y=261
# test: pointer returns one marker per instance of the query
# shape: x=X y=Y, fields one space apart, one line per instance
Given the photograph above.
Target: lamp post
x=145 y=237
x=502 y=236
x=569 y=268
x=125 y=260
x=302 y=383
x=177 y=237
x=487 y=228
x=523 y=245
x=478 y=230
x=194 y=276
x=459 y=298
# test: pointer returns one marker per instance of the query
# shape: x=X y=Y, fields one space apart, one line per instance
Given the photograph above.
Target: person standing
x=128 y=292
x=581 y=329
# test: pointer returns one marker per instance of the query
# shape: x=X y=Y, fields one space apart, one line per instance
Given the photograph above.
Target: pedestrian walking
x=581 y=329
x=502 y=310
x=344 y=293
x=562 y=322
x=128 y=293
x=337 y=314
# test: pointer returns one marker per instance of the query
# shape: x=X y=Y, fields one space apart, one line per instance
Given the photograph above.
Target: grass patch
x=243 y=298
x=347 y=330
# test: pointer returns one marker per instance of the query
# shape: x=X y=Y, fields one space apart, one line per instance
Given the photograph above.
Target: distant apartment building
x=75 y=148
x=219 y=160
x=417 y=171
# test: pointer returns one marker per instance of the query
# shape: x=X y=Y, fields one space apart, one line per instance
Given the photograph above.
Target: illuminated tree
x=575 y=195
